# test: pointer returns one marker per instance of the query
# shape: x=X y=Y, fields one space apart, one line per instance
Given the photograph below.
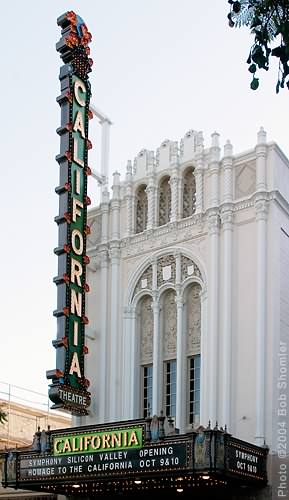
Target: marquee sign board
x=69 y=387
x=162 y=458
x=245 y=460
x=128 y=450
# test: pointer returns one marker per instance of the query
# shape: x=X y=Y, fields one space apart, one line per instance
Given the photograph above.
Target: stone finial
x=116 y=178
x=215 y=148
x=200 y=140
x=129 y=167
x=105 y=195
x=215 y=139
x=228 y=149
x=261 y=136
x=128 y=176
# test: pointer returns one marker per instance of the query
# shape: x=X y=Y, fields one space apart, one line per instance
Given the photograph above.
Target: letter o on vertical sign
x=77 y=242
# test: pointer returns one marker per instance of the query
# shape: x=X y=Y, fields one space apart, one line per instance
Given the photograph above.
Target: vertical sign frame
x=69 y=387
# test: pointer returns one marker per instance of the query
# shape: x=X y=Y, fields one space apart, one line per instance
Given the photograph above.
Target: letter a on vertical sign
x=69 y=386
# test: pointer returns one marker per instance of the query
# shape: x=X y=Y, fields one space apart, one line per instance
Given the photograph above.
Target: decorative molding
x=262 y=209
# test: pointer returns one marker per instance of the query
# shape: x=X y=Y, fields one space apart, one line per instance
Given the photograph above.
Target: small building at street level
x=172 y=317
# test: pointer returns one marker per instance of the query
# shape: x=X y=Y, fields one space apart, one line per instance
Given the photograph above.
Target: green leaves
x=252 y=68
x=268 y=21
x=254 y=83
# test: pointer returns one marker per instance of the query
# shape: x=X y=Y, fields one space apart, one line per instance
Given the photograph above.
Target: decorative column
x=174 y=181
x=205 y=360
x=150 y=190
x=213 y=223
x=130 y=376
x=115 y=334
x=227 y=221
x=114 y=302
x=103 y=387
x=180 y=396
x=156 y=343
x=115 y=207
x=129 y=200
x=261 y=325
x=104 y=215
x=199 y=176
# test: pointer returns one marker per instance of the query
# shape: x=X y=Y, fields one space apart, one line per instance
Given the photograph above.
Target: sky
x=161 y=68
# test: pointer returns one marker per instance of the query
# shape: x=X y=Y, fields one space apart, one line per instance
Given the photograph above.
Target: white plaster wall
x=195 y=238
x=243 y=331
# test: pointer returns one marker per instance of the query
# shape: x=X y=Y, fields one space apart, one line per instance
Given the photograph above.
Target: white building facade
x=189 y=280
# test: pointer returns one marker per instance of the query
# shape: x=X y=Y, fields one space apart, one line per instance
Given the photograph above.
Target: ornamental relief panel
x=193 y=319
x=166 y=270
x=189 y=268
x=146 y=330
x=189 y=193
x=95 y=236
x=245 y=179
x=145 y=281
x=169 y=314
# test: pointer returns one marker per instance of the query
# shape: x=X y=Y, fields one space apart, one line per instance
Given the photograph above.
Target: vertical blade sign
x=69 y=387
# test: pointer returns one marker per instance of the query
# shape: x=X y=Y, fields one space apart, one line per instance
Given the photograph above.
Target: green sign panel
x=69 y=388
x=106 y=441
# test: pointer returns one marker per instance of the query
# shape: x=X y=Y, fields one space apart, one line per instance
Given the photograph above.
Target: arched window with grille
x=141 y=209
x=164 y=201
x=189 y=193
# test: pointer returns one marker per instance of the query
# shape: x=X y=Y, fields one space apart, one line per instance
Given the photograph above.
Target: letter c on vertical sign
x=79 y=85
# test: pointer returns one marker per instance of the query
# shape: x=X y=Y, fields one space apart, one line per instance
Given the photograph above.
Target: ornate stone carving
x=213 y=222
x=146 y=330
x=164 y=201
x=227 y=218
x=189 y=193
x=193 y=319
x=95 y=236
x=146 y=277
x=262 y=209
x=189 y=268
x=164 y=262
x=141 y=209
x=169 y=325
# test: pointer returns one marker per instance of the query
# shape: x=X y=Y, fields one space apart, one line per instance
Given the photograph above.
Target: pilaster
x=174 y=181
x=214 y=170
x=151 y=190
x=261 y=333
x=104 y=215
x=103 y=387
x=199 y=176
x=156 y=403
x=129 y=200
x=226 y=335
x=261 y=153
x=130 y=375
x=115 y=347
x=213 y=223
x=115 y=207
x=181 y=360
x=205 y=359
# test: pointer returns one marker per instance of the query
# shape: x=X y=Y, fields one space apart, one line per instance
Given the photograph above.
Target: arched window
x=164 y=201
x=141 y=209
x=189 y=193
x=166 y=313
